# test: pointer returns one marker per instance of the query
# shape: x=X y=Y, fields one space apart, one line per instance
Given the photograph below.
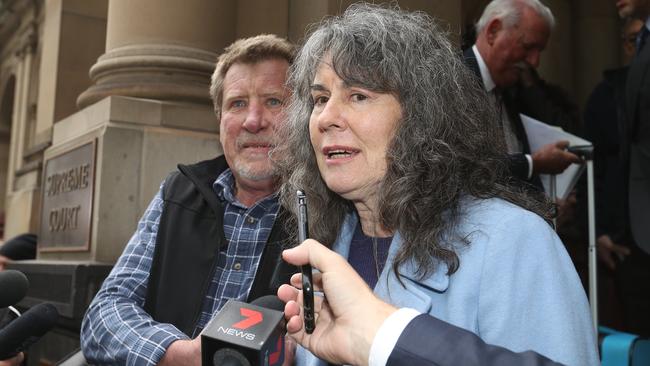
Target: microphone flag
x=244 y=334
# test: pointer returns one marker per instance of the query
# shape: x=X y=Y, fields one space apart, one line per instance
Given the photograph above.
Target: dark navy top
x=362 y=255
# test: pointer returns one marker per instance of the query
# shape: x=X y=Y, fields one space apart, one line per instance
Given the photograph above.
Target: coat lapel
x=411 y=291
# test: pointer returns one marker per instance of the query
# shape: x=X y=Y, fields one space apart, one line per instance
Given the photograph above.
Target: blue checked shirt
x=117 y=330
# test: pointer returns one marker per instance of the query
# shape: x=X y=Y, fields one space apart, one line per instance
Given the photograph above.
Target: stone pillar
x=21 y=188
x=161 y=49
x=262 y=16
x=597 y=31
x=304 y=13
x=556 y=64
x=148 y=110
x=72 y=35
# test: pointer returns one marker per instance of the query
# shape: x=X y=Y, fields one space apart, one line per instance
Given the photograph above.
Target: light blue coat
x=516 y=286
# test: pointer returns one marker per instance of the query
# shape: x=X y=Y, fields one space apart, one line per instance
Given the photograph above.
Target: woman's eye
x=320 y=100
x=359 y=97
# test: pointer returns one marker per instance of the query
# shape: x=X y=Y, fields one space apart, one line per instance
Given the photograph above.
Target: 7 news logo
x=251 y=318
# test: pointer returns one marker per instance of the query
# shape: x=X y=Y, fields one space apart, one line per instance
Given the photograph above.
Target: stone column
x=262 y=16
x=21 y=187
x=148 y=110
x=161 y=49
x=556 y=64
x=304 y=13
x=598 y=44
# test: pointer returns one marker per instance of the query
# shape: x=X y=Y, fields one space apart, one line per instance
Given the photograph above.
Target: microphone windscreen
x=229 y=357
x=27 y=329
x=13 y=287
x=270 y=302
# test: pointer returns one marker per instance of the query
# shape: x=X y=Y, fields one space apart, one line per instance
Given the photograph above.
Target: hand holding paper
x=552 y=141
x=553 y=158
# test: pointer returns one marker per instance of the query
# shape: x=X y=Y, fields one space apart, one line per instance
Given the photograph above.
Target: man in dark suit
x=511 y=34
x=635 y=145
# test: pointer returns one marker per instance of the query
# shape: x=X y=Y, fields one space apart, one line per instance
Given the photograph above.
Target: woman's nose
x=331 y=115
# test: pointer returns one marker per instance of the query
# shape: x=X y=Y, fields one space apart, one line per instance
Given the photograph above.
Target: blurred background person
x=617 y=120
x=604 y=118
x=18 y=248
x=403 y=163
x=510 y=37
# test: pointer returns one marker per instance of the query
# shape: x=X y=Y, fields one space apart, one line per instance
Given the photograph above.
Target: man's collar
x=488 y=83
x=224 y=187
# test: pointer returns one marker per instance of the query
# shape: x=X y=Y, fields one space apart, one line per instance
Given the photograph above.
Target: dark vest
x=189 y=238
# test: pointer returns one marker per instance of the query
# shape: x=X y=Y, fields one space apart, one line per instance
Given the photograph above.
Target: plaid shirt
x=117 y=330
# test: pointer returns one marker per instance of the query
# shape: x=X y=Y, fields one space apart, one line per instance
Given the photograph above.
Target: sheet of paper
x=540 y=134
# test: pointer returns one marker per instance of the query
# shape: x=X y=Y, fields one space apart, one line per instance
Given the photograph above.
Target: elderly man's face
x=517 y=47
x=253 y=98
x=633 y=8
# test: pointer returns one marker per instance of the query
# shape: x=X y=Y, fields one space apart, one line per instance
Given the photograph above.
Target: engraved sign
x=68 y=181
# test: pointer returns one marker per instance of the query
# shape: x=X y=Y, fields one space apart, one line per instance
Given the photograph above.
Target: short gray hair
x=509 y=11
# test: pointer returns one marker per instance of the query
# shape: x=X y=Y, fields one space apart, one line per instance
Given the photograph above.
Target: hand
x=183 y=352
x=3 y=263
x=349 y=318
x=14 y=361
x=607 y=249
x=553 y=158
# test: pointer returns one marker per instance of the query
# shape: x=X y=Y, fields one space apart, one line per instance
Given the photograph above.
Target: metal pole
x=593 y=279
x=553 y=194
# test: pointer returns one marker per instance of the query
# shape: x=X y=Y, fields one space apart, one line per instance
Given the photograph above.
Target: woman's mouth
x=339 y=152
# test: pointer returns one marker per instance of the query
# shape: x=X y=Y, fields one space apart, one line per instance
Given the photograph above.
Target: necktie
x=643 y=36
x=512 y=141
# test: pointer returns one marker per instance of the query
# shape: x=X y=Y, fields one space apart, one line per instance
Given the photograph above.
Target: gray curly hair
x=447 y=145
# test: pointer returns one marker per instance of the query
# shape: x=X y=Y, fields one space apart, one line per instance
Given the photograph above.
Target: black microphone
x=13 y=287
x=245 y=334
x=27 y=329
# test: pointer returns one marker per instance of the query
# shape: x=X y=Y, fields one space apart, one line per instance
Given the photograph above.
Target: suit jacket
x=445 y=344
x=603 y=119
x=515 y=288
x=517 y=162
x=637 y=145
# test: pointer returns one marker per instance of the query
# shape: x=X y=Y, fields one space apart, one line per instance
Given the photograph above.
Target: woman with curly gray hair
x=403 y=165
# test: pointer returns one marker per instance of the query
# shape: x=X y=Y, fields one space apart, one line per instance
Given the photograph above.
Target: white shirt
x=388 y=334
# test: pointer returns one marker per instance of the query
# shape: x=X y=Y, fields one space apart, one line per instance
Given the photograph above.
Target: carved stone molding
x=152 y=71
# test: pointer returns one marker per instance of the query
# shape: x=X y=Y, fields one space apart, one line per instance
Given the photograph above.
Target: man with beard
x=210 y=233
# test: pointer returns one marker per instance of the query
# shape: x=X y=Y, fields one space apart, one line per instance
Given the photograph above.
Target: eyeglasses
x=629 y=38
